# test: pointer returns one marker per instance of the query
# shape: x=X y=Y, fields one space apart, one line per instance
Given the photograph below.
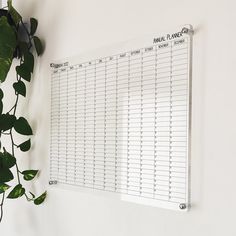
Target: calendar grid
x=120 y=123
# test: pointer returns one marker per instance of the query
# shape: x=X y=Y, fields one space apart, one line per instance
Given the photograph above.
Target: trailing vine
x=17 y=41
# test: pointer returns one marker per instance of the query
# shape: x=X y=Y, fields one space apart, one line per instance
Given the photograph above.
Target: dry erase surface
x=120 y=120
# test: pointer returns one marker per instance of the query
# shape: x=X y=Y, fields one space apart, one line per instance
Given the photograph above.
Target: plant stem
x=12 y=141
x=15 y=105
x=13 y=154
x=28 y=198
x=1 y=207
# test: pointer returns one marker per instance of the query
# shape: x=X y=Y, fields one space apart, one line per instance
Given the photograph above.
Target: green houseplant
x=17 y=42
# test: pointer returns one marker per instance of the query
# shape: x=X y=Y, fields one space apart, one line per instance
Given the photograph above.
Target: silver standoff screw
x=186 y=30
x=182 y=206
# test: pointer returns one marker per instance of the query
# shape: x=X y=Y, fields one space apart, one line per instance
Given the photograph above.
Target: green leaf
x=33 y=25
x=5 y=175
x=22 y=126
x=7 y=47
x=23 y=47
x=25 y=146
x=1 y=94
x=24 y=72
x=13 y=12
x=38 y=45
x=17 y=192
x=3 y=187
x=5 y=65
x=29 y=61
x=7 y=160
x=7 y=121
x=1 y=104
x=39 y=200
x=20 y=88
x=29 y=174
x=1 y=107
x=7 y=38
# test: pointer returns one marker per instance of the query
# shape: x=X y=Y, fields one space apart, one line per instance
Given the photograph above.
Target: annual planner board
x=120 y=120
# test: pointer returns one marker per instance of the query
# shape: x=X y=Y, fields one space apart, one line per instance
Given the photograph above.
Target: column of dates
x=71 y=119
x=100 y=124
x=55 y=125
x=162 y=122
x=63 y=125
x=122 y=119
x=148 y=122
x=89 y=124
x=178 y=137
x=110 y=121
x=134 y=122
x=80 y=124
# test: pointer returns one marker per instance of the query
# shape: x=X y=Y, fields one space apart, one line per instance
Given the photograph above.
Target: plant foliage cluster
x=17 y=41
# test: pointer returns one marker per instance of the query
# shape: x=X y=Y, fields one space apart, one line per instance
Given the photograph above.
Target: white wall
x=71 y=27
x=3 y=3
